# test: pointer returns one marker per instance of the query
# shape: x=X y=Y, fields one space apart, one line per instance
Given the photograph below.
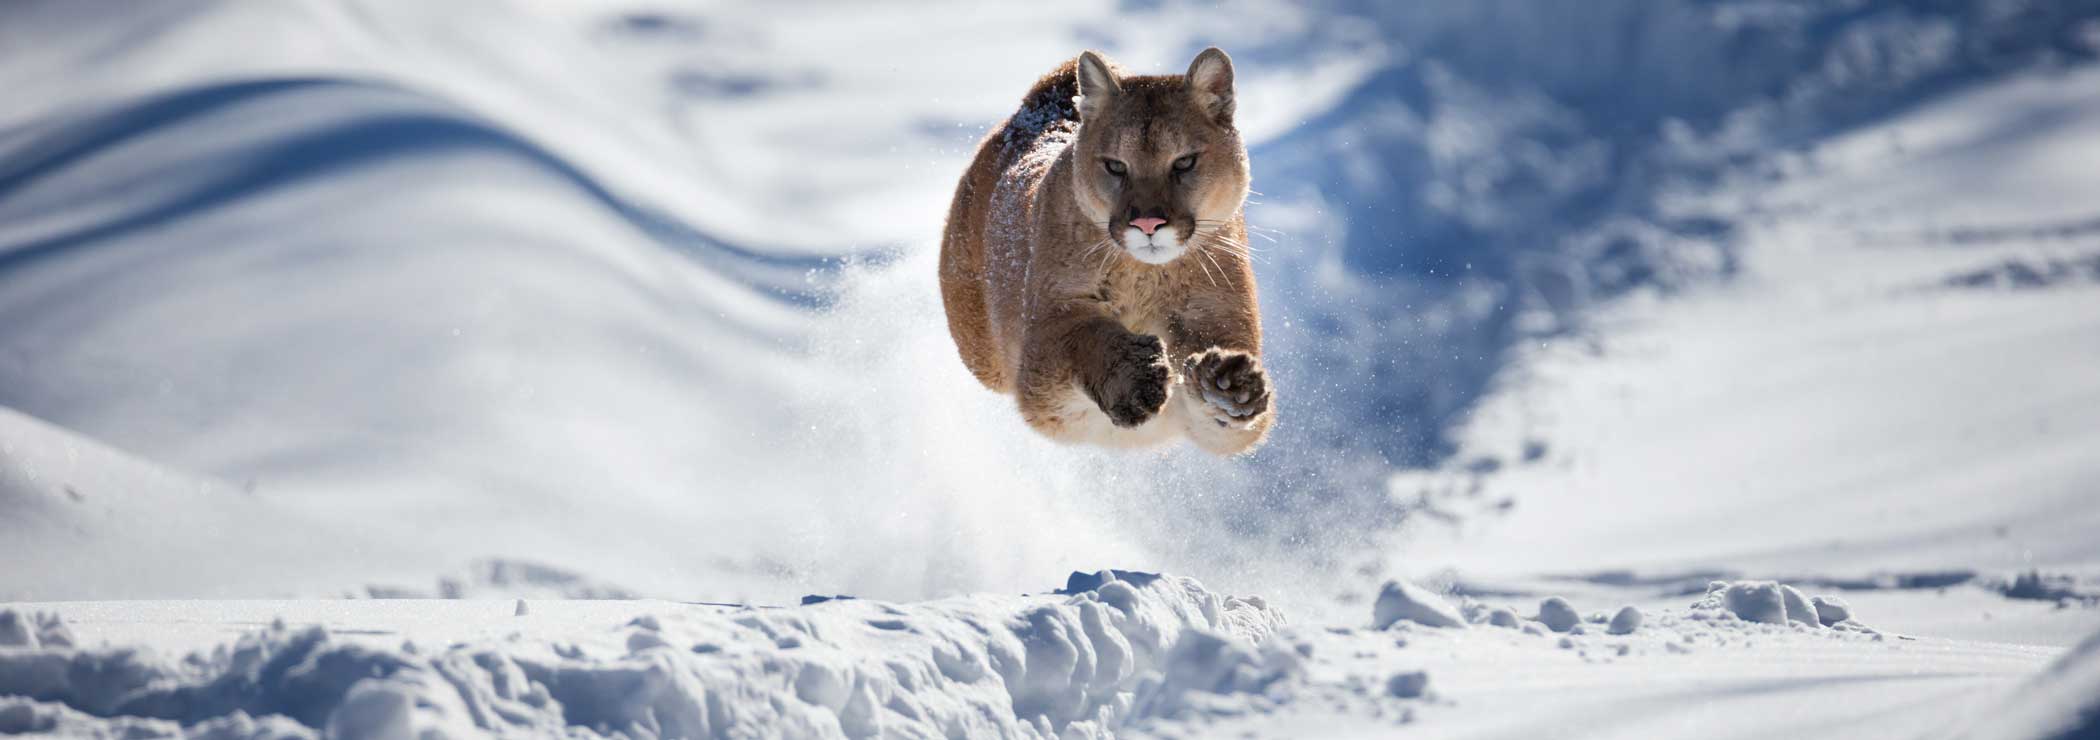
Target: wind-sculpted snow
x=1060 y=665
x=374 y=122
x=548 y=284
x=531 y=304
x=1131 y=654
x=1516 y=162
x=74 y=508
x=2062 y=702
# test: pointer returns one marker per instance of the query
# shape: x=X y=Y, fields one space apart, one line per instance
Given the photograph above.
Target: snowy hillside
x=1901 y=379
x=526 y=303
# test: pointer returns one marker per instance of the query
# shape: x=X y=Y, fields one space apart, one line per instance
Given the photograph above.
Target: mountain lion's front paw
x=1136 y=387
x=1231 y=383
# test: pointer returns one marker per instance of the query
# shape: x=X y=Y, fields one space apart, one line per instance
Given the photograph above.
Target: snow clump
x=1831 y=610
x=1626 y=621
x=1400 y=600
x=1798 y=608
x=1558 y=615
x=1407 y=684
x=1768 y=602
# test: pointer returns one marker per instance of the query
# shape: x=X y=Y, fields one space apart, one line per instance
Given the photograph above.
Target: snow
x=2063 y=701
x=1836 y=377
x=1557 y=614
x=1407 y=684
x=16 y=631
x=1764 y=601
x=972 y=666
x=78 y=509
x=1626 y=620
x=1182 y=659
x=1831 y=610
x=1402 y=601
x=614 y=325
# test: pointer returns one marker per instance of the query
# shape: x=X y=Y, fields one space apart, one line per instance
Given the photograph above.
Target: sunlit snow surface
x=308 y=299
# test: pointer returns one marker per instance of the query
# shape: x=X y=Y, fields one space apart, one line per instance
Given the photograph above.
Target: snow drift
x=1078 y=664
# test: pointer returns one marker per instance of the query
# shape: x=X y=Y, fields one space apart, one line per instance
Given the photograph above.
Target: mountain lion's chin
x=1159 y=248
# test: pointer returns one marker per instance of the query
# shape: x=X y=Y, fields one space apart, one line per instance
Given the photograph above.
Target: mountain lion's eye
x=1185 y=164
x=1114 y=167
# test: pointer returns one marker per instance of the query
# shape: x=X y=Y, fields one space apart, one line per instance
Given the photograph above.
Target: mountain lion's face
x=1158 y=163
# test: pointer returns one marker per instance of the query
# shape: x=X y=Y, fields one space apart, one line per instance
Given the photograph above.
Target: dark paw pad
x=1231 y=382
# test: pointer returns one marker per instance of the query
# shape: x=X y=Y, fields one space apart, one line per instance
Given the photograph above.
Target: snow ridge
x=1052 y=665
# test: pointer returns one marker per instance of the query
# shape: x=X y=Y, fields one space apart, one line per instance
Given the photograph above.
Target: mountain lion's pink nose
x=1147 y=225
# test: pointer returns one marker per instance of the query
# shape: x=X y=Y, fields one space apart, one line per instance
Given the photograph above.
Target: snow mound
x=19 y=716
x=40 y=630
x=1626 y=621
x=1403 y=601
x=1557 y=614
x=1211 y=674
x=1798 y=607
x=970 y=666
x=2060 y=588
x=1407 y=684
x=1774 y=603
x=1750 y=600
x=1831 y=610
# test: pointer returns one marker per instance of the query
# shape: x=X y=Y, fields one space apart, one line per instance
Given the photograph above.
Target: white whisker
x=1213 y=262
x=1206 y=270
x=1235 y=249
x=1239 y=244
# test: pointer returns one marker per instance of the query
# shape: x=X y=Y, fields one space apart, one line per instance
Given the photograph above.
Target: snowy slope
x=475 y=276
x=347 y=302
x=77 y=507
x=565 y=300
x=1875 y=393
x=541 y=282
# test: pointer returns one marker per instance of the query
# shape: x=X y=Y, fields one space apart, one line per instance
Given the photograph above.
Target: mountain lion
x=1095 y=262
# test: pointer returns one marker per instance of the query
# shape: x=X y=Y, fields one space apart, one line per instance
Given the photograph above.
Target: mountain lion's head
x=1157 y=161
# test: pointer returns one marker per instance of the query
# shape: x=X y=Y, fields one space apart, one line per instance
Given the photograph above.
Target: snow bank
x=1210 y=673
x=22 y=716
x=976 y=666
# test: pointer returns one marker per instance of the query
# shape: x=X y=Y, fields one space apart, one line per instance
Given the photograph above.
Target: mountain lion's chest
x=1140 y=298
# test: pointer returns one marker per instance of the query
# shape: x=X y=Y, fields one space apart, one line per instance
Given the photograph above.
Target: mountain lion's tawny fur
x=1095 y=260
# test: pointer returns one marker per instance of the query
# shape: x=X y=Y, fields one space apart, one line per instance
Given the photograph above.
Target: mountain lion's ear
x=1097 y=84
x=1210 y=81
